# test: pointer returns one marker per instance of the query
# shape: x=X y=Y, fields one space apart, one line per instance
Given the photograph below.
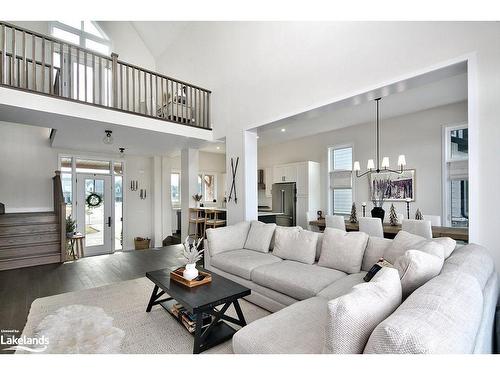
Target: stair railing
x=38 y=63
x=60 y=211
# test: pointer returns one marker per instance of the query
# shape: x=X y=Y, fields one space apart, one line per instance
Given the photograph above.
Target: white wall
x=417 y=135
x=27 y=165
x=263 y=71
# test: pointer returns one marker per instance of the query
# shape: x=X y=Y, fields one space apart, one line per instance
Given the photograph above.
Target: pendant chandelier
x=384 y=166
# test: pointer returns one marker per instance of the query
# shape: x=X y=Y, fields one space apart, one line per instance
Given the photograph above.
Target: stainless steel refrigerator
x=285 y=201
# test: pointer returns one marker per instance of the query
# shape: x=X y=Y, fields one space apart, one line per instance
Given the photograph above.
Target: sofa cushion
x=375 y=249
x=342 y=286
x=297 y=280
x=296 y=329
x=228 y=238
x=295 y=244
x=259 y=236
x=242 y=262
x=415 y=268
x=319 y=244
x=440 y=317
x=407 y=241
x=342 y=250
x=353 y=316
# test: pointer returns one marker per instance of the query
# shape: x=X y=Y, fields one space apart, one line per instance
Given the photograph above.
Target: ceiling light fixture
x=108 y=138
x=384 y=167
x=283 y=130
x=218 y=148
x=122 y=152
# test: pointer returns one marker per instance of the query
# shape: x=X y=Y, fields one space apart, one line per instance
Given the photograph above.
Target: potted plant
x=192 y=255
x=197 y=197
x=70 y=225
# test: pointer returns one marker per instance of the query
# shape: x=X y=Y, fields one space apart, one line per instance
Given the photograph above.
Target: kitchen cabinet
x=306 y=175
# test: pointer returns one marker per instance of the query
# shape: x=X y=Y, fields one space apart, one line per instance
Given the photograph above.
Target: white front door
x=94 y=212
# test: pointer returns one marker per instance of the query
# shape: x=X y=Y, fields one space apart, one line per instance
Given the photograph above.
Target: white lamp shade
x=370 y=164
x=401 y=161
x=357 y=167
x=385 y=162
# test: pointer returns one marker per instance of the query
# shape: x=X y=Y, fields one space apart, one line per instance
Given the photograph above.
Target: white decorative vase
x=190 y=272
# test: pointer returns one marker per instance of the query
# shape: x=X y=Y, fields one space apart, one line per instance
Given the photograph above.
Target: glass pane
x=459 y=141
x=90 y=28
x=96 y=46
x=75 y=24
x=342 y=201
x=92 y=166
x=209 y=187
x=80 y=94
x=118 y=167
x=175 y=191
x=94 y=212
x=118 y=212
x=199 y=185
x=66 y=183
x=459 y=203
x=342 y=158
x=65 y=35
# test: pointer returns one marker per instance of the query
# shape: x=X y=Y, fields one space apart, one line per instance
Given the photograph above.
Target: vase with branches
x=192 y=254
x=197 y=197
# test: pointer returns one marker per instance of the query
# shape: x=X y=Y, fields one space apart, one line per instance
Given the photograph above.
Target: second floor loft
x=42 y=64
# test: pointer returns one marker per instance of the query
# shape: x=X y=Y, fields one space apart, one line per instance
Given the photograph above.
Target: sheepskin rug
x=79 y=329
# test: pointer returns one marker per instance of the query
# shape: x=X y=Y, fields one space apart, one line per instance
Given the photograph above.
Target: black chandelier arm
x=364 y=173
x=380 y=170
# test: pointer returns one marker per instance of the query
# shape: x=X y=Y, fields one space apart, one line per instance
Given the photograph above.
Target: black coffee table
x=199 y=300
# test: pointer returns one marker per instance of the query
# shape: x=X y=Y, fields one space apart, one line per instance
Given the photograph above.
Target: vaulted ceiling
x=158 y=36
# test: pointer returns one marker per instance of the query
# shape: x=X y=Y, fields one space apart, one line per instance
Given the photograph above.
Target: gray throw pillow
x=343 y=251
x=415 y=268
x=259 y=237
x=295 y=244
x=353 y=316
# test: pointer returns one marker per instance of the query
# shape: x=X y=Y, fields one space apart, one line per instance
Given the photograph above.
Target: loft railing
x=42 y=64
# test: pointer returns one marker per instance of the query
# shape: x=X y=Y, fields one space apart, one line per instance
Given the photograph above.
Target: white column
x=157 y=202
x=242 y=144
x=166 y=209
x=189 y=182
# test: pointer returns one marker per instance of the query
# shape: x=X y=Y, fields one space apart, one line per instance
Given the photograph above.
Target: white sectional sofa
x=453 y=312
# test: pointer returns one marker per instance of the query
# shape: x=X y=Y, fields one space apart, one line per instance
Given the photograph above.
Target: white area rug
x=149 y=333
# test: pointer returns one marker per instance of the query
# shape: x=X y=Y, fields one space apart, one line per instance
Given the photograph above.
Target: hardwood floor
x=20 y=287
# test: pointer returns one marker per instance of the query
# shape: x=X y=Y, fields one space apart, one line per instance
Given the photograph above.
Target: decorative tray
x=177 y=277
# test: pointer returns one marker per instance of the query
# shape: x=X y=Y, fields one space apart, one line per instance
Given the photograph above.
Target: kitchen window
x=340 y=177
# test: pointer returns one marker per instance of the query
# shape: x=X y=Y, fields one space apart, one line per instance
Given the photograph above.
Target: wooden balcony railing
x=42 y=64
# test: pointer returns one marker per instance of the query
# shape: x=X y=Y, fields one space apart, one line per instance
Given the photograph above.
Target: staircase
x=29 y=239
x=34 y=238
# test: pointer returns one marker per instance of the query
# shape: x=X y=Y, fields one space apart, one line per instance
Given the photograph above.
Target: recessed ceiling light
x=257 y=137
x=218 y=148
x=283 y=130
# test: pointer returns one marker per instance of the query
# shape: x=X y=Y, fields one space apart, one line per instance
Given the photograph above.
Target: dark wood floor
x=20 y=287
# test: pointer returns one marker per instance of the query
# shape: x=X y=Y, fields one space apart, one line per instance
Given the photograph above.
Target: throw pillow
x=259 y=237
x=295 y=244
x=343 y=251
x=232 y=237
x=415 y=268
x=353 y=316
x=402 y=242
x=448 y=244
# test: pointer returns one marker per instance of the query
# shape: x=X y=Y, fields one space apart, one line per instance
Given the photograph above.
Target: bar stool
x=212 y=220
x=196 y=217
x=76 y=242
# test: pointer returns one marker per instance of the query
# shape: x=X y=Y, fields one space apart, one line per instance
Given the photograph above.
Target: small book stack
x=188 y=319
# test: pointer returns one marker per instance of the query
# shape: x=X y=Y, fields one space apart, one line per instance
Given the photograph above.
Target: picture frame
x=395 y=187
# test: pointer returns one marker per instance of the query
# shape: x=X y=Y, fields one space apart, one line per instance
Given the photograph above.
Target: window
x=175 y=188
x=456 y=175
x=340 y=173
x=83 y=33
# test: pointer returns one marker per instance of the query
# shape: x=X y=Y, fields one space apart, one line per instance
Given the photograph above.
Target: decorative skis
x=234 y=169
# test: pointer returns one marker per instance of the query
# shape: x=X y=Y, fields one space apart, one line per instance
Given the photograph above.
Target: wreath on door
x=94 y=200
